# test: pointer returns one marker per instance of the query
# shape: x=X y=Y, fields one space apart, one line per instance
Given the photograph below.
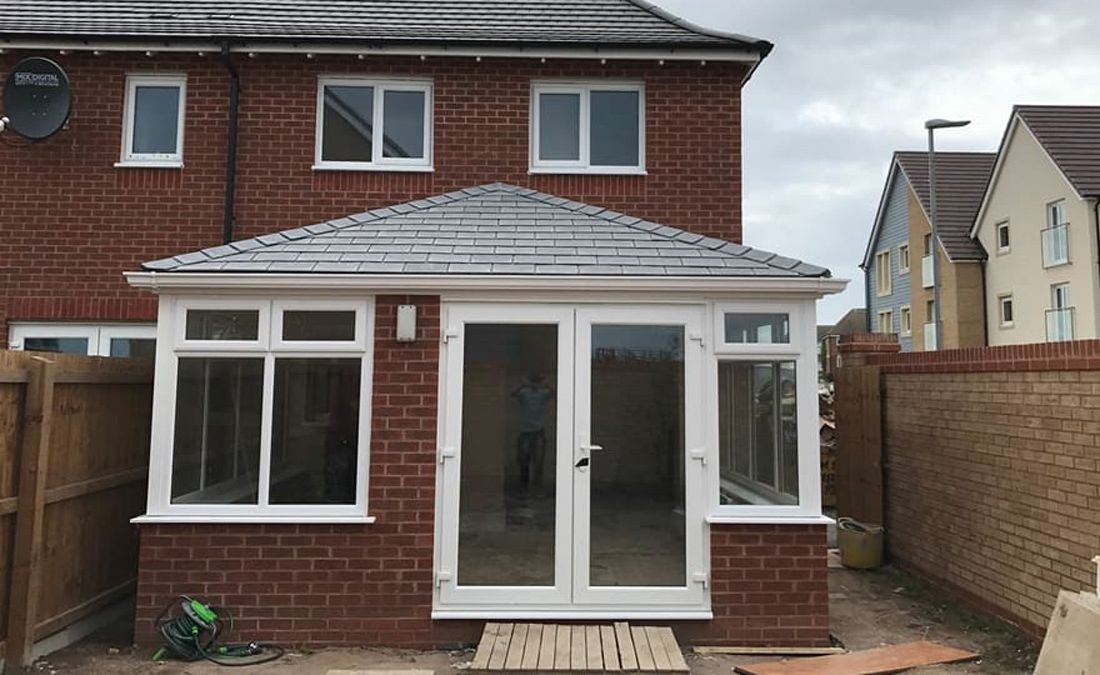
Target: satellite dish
x=37 y=98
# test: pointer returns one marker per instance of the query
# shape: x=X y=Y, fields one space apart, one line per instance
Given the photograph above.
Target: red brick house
x=505 y=359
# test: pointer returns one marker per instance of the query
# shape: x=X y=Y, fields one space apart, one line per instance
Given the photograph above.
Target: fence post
x=33 y=463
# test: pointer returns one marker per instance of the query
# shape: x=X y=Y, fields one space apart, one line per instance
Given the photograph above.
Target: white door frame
x=693 y=593
x=570 y=596
x=457 y=316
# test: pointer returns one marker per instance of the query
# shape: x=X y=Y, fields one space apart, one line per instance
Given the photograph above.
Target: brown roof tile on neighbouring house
x=961 y=179
x=1070 y=134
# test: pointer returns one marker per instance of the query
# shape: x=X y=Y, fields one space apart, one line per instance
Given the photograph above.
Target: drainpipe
x=1096 y=308
x=231 y=144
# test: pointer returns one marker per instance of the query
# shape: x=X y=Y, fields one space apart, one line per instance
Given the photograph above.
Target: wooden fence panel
x=859 y=443
x=74 y=439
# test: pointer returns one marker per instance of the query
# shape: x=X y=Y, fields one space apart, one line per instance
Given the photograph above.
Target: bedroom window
x=153 y=121
x=365 y=124
x=587 y=128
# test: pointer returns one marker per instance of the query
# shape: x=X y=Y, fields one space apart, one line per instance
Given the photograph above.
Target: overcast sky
x=850 y=81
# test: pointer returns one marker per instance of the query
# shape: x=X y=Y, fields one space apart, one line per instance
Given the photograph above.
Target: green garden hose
x=192 y=635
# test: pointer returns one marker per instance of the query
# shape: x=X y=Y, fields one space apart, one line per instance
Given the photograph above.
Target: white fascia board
x=306 y=47
x=214 y=281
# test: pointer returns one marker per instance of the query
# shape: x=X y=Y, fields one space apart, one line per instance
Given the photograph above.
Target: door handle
x=591 y=448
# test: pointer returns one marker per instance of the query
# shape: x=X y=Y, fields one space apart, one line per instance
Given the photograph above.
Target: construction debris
x=893 y=659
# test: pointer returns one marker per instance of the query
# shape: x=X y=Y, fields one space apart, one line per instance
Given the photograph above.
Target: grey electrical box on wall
x=406 y=323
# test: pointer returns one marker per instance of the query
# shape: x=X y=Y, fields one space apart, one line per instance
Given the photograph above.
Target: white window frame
x=584 y=91
x=884 y=272
x=98 y=335
x=171 y=346
x=888 y=314
x=903 y=259
x=378 y=161
x=1001 y=300
x=1002 y=226
x=905 y=321
x=802 y=351
x=129 y=158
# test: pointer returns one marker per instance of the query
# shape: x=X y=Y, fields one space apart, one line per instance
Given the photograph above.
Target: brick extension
x=329 y=585
x=992 y=477
x=70 y=222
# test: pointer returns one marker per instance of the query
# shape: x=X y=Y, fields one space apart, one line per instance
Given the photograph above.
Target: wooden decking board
x=891 y=659
x=522 y=647
x=628 y=659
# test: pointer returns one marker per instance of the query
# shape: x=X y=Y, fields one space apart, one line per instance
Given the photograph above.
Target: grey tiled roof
x=560 y=22
x=961 y=179
x=495 y=229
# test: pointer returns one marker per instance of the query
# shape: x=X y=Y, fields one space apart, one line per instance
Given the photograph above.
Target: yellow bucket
x=860 y=544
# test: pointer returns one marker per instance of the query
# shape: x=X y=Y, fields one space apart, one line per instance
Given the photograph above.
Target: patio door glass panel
x=508 y=486
x=637 y=463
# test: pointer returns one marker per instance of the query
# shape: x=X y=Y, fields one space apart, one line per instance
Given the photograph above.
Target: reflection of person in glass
x=534 y=398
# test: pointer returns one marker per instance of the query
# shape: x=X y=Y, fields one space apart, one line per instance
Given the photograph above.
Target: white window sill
x=149 y=164
x=1057 y=264
x=903 y=273
x=1004 y=251
x=293 y=520
x=723 y=519
x=573 y=614
x=1006 y=326
x=353 y=166
x=588 y=170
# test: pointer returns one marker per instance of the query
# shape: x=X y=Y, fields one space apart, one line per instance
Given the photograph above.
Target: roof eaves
x=763 y=47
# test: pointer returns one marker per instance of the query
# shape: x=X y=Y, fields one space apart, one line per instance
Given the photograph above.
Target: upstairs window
x=349 y=111
x=903 y=259
x=905 y=317
x=1004 y=239
x=882 y=273
x=1055 y=238
x=153 y=120
x=587 y=128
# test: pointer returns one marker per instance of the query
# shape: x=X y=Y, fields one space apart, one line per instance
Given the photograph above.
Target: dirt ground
x=869 y=609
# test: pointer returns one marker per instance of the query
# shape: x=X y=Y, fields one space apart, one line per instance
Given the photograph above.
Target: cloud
x=850 y=81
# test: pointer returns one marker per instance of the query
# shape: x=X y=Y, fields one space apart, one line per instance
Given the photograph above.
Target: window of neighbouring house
x=758 y=433
x=903 y=259
x=270 y=401
x=350 y=110
x=1055 y=237
x=135 y=340
x=587 y=128
x=153 y=120
x=1004 y=241
x=886 y=321
x=1060 y=316
x=1005 y=310
x=883 y=279
x=905 y=316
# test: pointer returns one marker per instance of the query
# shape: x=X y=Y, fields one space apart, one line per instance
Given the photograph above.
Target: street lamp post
x=931 y=125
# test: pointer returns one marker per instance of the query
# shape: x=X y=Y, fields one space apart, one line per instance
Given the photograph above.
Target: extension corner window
x=266 y=410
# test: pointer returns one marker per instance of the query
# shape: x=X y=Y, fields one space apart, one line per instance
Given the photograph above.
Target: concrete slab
x=1071 y=645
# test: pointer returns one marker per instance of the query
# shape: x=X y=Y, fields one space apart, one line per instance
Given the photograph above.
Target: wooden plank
x=485 y=647
x=771 y=651
x=53 y=624
x=610 y=649
x=561 y=648
x=546 y=651
x=12 y=376
x=33 y=463
x=500 y=646
x=627 y=657
x=530 y=659
x=516 y=646
x=672 y=648
x=641 y=648
x=140 y=376
x=578 y=656
x=660 y=656
x=593 y=647
x=858 y=407
x=891 y=659
x=99 y=484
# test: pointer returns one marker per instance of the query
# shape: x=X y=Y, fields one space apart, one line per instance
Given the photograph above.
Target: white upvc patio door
x=638 y=522
x=506 y=538
x=571 y=461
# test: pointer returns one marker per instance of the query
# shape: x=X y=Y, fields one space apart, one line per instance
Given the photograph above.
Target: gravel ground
x=869 y=609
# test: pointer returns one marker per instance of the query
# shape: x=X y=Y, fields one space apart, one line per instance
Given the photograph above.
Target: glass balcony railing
x=926 y=271
x=1056 y=245
x=1060 y=324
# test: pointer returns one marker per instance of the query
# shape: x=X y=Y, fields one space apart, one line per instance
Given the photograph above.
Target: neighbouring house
x=1038 y=221
x=454 y=324
x=898 y=259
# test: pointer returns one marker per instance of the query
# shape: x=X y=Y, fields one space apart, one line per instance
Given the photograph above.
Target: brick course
x=70 y=222
x=991 y=471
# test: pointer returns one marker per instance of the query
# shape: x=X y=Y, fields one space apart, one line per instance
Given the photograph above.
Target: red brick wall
x=70 y=222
